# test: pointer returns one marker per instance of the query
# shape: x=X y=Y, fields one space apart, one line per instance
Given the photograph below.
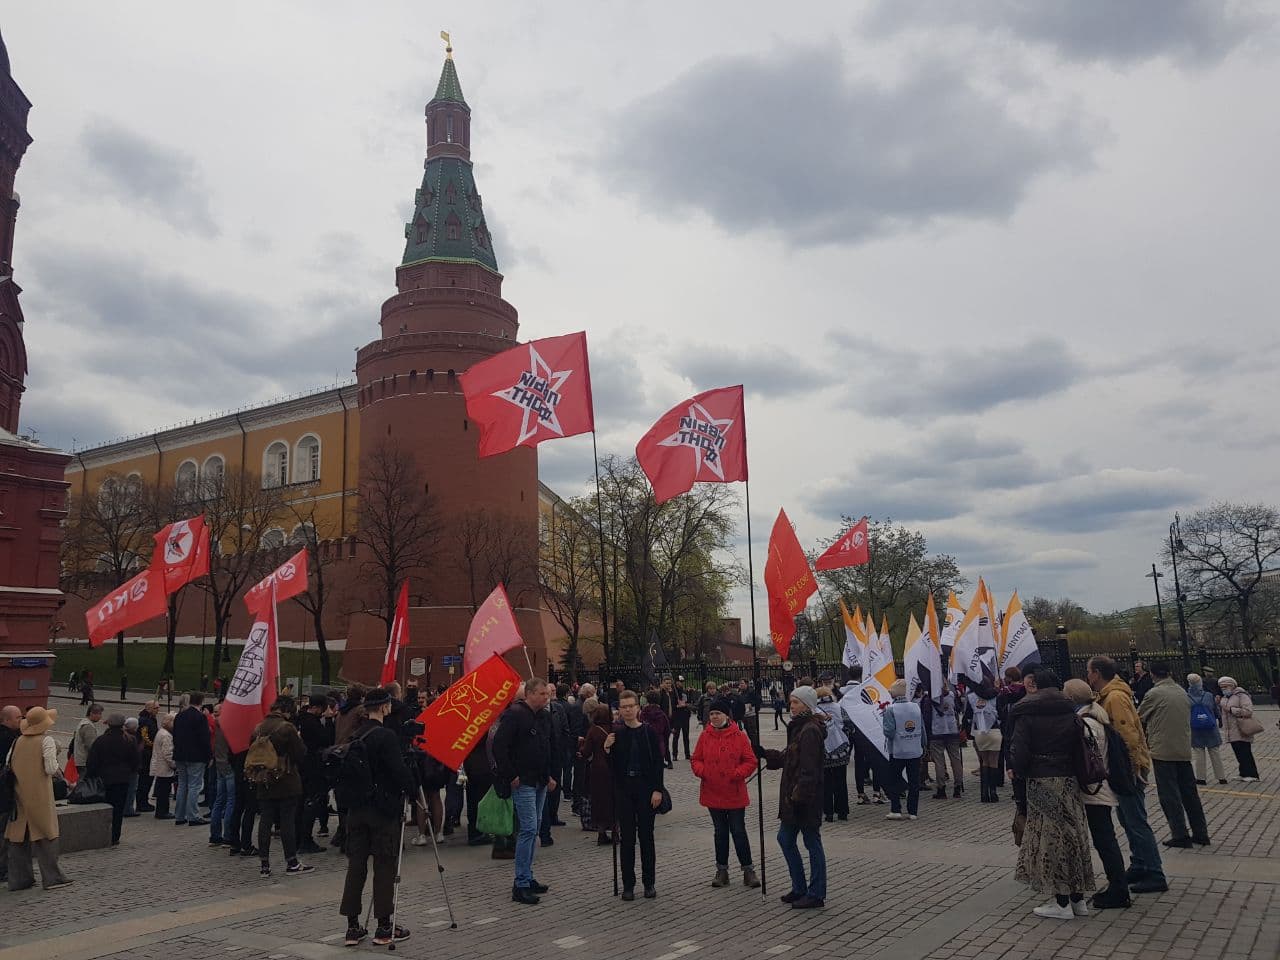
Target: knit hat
x=808 y=696
x=721 y=705
x=37 y=721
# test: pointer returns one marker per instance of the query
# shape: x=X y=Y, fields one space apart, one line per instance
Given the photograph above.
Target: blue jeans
x=817 y=884
x=528 y=802
x=190 y=782
x=224 y=805
x=1144 y=855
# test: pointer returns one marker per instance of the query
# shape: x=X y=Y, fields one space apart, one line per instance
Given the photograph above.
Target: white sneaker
x=1051 y=911
x=893 y=816
x=1079 y=907
x=421 y=840
x=1248 y=779
x=912 y=816
x=440 y=838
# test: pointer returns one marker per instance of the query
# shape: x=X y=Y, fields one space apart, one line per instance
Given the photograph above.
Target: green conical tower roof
x=449 y=88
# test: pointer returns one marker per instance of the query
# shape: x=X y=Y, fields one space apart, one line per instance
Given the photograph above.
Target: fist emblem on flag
x=461 y=698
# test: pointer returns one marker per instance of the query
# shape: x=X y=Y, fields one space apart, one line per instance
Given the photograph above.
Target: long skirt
x=1054 y=856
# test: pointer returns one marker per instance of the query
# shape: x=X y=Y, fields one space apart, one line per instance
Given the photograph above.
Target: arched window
x=303 y=534
x=275 y=465
x=187 y=477
x=213 y=470
x=273 y=539
x=306 y=462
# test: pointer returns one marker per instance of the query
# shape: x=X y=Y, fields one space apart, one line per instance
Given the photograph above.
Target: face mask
x=721 y=725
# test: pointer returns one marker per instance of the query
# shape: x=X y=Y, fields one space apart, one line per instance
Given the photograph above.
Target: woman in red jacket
x=723 y=760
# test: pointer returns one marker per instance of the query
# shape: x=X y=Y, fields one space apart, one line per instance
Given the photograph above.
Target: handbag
x=1249 y=726
x=88 y=790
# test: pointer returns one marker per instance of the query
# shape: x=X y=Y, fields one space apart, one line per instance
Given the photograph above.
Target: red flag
x=493 y=630
x=256 y=682
x=850 y=550
x=69 y=772
x=289 y=579
x=399 y=637
x=702 y=439
x=788 y=580
x=537 y=391
x=127 y=606
x=182 y=552
x=458 y=720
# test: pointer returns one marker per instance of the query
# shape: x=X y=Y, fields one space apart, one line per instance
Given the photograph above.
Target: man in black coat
x=148 y=727
x=316 y=737
x=522 y=757
x=114 y=758
x=561 y=737
x=192 y=752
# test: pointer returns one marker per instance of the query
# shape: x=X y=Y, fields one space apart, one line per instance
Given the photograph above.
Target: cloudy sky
x=996 y=270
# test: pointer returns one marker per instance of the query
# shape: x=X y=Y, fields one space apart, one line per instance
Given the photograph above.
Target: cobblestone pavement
x=935 y=889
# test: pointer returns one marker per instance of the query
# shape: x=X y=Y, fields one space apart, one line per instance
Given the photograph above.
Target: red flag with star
x=788 y=580
x=537 y=391
x=182 y=552
x=702 y=440
x=851 y=550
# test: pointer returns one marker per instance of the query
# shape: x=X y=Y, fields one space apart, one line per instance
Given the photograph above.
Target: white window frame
x=306 y=469
x=272 y=474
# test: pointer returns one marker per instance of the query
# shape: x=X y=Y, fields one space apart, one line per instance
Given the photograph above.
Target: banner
x=921 y=662
x=700 y=440
x=493 y=630
x=950 y=627
x=256 y=682
x=182 y=552
x=289 y=580
x=974 y=655
x=399 y=637
x=1018 y=647
x=128 y=605
x=537 y=391
x=851 y=550
x=879 y=650
x=457 y=721
x=855 y=639
x=862 y=706
x=788 y=581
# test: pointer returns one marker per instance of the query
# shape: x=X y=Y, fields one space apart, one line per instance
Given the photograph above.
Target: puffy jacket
x=1234 y=709
x=1166 y=716
x=723 y=760
x=1045 y=736
x=1117 y=699
x=162 y=764
x=801 y=763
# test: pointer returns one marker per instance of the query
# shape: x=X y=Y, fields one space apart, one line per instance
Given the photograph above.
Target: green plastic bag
x=495 y=815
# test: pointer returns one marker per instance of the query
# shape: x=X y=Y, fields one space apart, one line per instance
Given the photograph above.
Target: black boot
x=994 y=774
x=985 y=774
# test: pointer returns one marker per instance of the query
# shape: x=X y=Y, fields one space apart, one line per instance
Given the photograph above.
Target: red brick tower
x=33 y=493
x=448 y=314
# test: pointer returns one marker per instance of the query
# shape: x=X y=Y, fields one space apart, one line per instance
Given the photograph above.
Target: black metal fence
x=1256 y=670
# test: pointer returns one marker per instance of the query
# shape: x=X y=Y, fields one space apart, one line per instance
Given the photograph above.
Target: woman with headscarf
x=34 y=827
x=598 y=806
x=1240 y=726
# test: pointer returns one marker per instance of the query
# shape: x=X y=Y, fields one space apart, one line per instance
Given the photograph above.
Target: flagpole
x=604 y=599
x=755 y=670
x=529 y=662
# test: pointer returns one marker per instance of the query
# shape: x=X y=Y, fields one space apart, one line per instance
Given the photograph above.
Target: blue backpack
x=1202 y=717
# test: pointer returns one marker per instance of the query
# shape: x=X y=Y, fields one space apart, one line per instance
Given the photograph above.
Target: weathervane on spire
x=448 y=46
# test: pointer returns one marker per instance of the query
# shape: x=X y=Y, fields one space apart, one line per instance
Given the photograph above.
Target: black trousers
x=141 y=803
x=1244 y=757
x=730 y=823
x=551 y=806
x=314 y=803
x=1102 y=830
x=370 y=834
x=245 y=810
x=164 y=790
x=635 y=821
x=868 y=765
x=835 y=791
x=117 y=795
x=284 y=814
x=1179 y=798
x=680 y=727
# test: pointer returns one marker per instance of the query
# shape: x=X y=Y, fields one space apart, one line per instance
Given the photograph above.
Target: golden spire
x=448 y=46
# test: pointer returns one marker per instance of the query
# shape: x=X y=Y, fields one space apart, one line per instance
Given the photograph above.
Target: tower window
x=448 y=128
x=453 y=227
x=424 y=229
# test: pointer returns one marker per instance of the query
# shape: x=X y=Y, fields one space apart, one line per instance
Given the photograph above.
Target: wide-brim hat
x=37 y=721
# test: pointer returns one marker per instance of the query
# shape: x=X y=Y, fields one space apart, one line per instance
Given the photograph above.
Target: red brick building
x=33 y=499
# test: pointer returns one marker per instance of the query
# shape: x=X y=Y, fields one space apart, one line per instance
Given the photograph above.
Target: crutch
x=453 y=923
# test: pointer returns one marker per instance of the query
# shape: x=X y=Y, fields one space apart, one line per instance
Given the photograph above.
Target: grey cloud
x=971 y=552
x=905 y=500
x=959 y=457
x=930 y=385
x=1061 y=558
x=66 y=421
x=1114 y=31
x=566 y=468
x=162 y=180
x=1104 y=499
x=789 y=144
x=769 y=371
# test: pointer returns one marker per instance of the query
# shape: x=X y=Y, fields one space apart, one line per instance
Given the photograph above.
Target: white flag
x=862 y=706
x=921 y=662
x=950 y=627
x=1018 y=647
x=855 y=640
x=974 y=655
x=878 y=651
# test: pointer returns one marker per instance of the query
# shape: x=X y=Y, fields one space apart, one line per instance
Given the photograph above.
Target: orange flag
x=789 y=582
x=493 y=630
x=457 y=721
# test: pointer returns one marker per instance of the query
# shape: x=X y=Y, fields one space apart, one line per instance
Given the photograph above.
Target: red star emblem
x=705 y=439
x=537 y=394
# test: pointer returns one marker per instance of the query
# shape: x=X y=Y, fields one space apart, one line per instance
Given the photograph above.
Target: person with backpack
x=723 y=760
x=372 y=783
x=1098 y=805
x=1205 y=738
x=1166 y=716
x=271 y=767
x=1053 y=857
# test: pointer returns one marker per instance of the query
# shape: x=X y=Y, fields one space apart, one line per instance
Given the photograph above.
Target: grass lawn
x=144 y=660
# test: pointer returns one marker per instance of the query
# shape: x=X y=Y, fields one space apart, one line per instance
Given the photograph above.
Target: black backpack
x=348 y=771
x=1119 y=765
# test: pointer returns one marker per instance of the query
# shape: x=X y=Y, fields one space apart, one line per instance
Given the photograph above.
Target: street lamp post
x=1176 y=546
x=1155 y=576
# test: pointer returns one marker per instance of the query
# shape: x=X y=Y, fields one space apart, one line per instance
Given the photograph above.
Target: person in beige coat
x=34 y=827
x=1239 y=726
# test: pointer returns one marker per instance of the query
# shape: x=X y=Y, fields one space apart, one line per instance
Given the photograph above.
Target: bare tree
x=239 y=513
x=568 y=574
x=472 y=531
x=398 y=529
x=512 y=556
x=319 y=536
x=109 y=539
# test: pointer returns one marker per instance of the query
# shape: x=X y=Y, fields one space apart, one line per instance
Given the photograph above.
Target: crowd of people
x=1072 y=753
